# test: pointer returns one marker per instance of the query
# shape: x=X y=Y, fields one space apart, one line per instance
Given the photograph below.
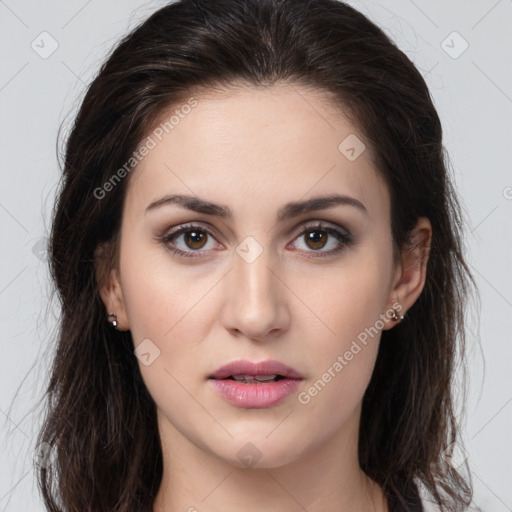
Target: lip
x=245 y=367
x=255 y=396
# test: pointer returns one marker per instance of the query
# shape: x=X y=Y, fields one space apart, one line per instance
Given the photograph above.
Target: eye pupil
x=196 y=237
x=321 y=239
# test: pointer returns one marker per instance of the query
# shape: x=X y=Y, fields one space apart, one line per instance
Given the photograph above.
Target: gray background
x=472 y=90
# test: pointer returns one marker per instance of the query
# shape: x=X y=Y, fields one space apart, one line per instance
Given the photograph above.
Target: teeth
x=254 y=378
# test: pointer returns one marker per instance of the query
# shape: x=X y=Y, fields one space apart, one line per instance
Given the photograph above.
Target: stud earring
x=395 y=317
x=114 y=322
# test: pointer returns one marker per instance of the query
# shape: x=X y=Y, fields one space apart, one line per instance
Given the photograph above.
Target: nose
x=255 y=297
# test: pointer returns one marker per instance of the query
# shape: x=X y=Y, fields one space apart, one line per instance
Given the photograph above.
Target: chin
x=259 y=452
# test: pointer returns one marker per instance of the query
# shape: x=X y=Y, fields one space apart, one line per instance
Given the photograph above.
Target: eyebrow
x=288 y=211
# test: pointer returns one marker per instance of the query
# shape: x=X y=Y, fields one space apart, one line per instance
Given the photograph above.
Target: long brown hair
x=100 y=419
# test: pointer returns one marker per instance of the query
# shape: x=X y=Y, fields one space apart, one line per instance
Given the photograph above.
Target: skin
x=255 y=150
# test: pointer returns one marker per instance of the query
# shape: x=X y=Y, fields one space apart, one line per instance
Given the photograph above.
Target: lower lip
x=255 y=396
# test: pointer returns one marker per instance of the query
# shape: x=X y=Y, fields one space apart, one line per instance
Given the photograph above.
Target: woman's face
x=250 y=285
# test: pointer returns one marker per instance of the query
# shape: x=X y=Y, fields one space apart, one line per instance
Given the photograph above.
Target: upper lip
x=245 y=367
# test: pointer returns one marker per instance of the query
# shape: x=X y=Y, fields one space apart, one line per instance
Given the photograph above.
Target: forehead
x=253 y=147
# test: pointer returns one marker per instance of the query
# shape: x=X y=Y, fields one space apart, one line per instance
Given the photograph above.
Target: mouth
x=255 y=385
x=255 y=379
x=254 y=373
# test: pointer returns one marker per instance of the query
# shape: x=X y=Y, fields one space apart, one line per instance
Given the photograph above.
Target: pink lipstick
x=255 y=385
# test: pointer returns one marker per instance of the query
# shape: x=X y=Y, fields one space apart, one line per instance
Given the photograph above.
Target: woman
x=258 y=252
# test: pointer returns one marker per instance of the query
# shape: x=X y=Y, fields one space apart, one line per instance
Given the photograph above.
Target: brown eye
x=188 y=241
x=316 y=239
x=195 y=239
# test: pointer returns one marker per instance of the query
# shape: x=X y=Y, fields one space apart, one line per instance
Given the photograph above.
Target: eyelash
x=345 y=239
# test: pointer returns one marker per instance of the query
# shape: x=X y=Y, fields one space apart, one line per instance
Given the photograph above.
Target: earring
x=395 y=317
x=114 y=322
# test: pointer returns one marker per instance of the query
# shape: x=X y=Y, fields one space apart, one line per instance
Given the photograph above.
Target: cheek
x=170 y=307
x=158 y=297
x=347 y=298
x=348 y=304
x=161 y=307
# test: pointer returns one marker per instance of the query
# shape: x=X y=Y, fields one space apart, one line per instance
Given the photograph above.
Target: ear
x=410 y=275
x=113 y=299
x=109 y=288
